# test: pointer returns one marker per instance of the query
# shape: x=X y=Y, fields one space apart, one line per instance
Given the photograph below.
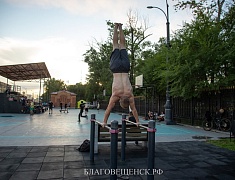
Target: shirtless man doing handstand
x=120 y=66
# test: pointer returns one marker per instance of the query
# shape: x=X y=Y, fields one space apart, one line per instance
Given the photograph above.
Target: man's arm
x=112 y=101
x=133 y=109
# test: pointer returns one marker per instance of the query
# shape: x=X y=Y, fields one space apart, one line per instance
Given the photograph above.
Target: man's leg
x=79 y=116
x=81 y=113
x=122 y=37
x=115 y=36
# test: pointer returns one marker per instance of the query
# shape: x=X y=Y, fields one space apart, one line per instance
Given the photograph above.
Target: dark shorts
x=119 y=61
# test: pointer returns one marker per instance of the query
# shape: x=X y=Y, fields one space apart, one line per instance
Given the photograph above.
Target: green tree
x=153 y=65
x=200 y=50
x=228 y=37
x=52 y=85
x=98 y=56
x=99 y=77
x=79 y=89
x=135 y=34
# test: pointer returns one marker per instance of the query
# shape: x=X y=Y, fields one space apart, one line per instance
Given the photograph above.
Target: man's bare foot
x=120 y=25
x=116 y=25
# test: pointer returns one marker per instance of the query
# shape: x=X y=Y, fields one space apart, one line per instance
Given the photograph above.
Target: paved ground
x=64 y=129
x=45 y=147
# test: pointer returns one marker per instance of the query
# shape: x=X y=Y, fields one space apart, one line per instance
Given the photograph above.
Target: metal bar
x=151 y=149
x=102 y=125
x=113 y=149
x=92 y=137
x=123 y=150
x=136 y=124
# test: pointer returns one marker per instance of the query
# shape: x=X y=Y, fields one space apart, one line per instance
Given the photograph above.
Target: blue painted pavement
x=62 y=128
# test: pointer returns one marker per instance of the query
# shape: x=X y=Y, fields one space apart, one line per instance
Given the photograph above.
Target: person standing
x=50 y=107
x=68 y=106
x=61 y=106
x=86 y=109
x=82 y=106
x=31 y=108
x=98 y=107
x=65 y=108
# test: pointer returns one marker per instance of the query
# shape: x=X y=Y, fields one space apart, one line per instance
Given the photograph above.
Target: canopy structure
x=25 y=72
x=21 y=72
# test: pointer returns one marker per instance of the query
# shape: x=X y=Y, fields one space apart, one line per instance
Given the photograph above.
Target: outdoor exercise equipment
x=151 y=143
x=114 y=143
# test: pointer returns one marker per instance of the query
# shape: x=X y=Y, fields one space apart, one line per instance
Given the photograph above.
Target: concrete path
x=64 y=129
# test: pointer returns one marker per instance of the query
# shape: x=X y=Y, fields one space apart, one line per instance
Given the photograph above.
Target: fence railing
x=190 y=111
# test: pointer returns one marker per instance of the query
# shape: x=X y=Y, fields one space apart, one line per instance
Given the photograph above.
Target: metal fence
x=191 y=111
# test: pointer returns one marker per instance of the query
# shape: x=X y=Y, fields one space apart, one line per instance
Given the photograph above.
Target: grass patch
x=224 y=143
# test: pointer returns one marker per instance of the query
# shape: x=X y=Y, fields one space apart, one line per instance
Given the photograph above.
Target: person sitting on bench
x=161 y=117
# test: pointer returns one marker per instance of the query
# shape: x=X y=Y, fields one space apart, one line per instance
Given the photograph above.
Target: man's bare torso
x=121 y=85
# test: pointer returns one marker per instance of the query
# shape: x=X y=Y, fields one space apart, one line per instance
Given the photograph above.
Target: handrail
x=140 y=125
x=109 y=128
x=114 y=143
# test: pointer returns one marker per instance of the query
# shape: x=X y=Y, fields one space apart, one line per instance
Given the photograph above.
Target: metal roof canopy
x=21 y=72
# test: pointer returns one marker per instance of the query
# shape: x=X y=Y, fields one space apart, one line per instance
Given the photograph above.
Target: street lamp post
x=168 y=106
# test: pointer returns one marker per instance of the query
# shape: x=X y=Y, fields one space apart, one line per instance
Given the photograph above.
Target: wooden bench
x=65 y=110
x=133 y=133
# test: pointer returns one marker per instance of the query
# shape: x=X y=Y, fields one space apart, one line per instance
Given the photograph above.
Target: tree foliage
x=153 y=66
x=100 y=77
x=135 y=35
x=201 y=51
x=79 y=89
x=52 y=85
x=98 y=57
x=201 y=57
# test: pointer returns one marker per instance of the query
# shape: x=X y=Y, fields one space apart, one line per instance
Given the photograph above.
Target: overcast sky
x=58 y=32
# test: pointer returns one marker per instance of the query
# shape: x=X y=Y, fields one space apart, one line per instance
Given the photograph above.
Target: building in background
x=63 y=97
